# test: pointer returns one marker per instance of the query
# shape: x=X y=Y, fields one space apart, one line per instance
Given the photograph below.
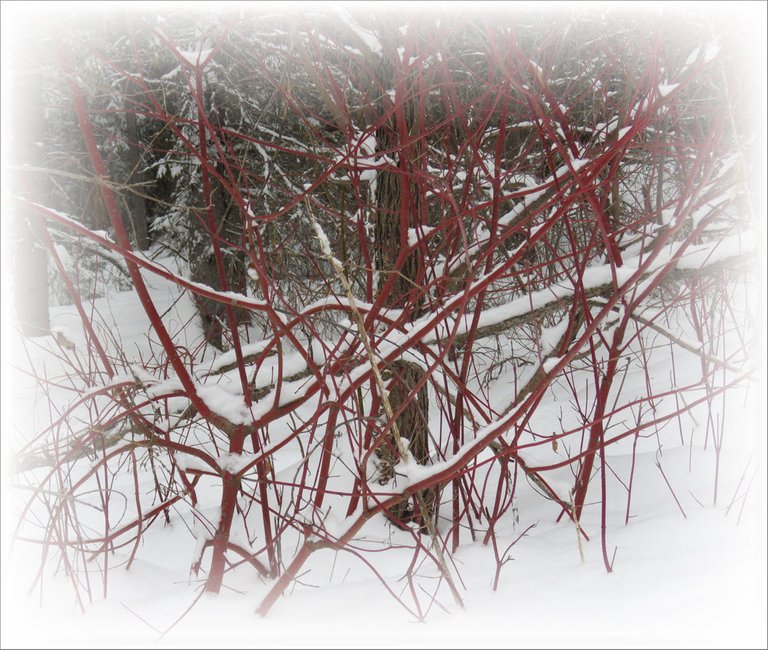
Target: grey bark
x=204 y=269
x=136 y=207
x=391 y=187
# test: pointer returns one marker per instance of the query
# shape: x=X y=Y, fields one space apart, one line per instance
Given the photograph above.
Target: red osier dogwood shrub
x=381 y=218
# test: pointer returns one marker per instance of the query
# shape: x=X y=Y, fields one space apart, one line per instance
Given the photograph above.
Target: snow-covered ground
x=697 y=582
x=687 y=572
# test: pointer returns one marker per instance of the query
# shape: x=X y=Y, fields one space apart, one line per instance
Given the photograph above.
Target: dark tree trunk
x=397 y=210
x=136 y=206
x=204 y=269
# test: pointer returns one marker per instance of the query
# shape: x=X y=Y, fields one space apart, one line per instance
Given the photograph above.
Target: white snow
x=226 y=404
x=195 y=57
x=234 y=463
x=415 y=235
x=325 y=244
x=665 y=89
x=677 y=581
x=727 y=248
x=230 y=356
x=550 y=363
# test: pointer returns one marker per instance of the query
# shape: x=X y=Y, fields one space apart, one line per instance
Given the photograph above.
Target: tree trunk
x=136 y=207
x=204 y=269
x=397 y=210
